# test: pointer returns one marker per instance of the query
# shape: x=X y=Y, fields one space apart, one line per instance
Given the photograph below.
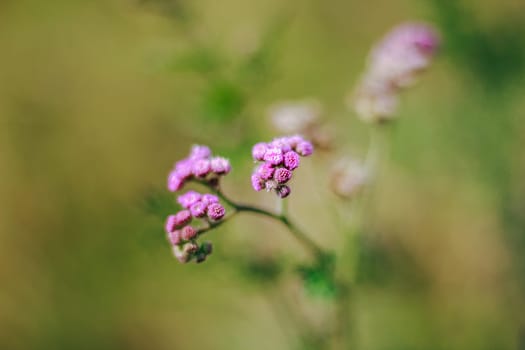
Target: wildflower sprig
x=281 y=156
x=394 y=64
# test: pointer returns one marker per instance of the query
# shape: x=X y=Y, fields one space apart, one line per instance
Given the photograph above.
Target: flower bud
x=265 y=171
x=200 y=257
x=170 y=225
x=207 y=248
x=220 y=165
x=188 y=199
x=175 y=182
x=283 y=191
x=174 y=237
x=216 y=211
x=182 y=218
x=188 y=233
x=304 y=148
x=259 y=150
x=209 y=199
x=199 y=152
x=274 y=156
x=257 y=182
x=198 y=209
x=190 y=247
x=282 y=175
x=201 y=167
x=181 y=255
x=291 y=160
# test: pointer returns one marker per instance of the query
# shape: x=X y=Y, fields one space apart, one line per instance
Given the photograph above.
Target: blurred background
x=98 y=99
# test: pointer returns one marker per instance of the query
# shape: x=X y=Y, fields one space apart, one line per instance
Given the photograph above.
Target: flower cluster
x=199 y=165
x=393 y=65
x=182 y=235
x=279 y=158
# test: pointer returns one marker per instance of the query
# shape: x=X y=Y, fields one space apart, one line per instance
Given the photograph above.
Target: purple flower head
x=175 y=182
x=281 y=157
x=259 y=150
x=274 y=156
x=198 y=165
x=201 y=167
x=182 y=218
x=304 y=148
x=216 y=211
x=171 y=223
x=394 y=63
x=291 y=160
x=198 y=209
x=283 y=191
x=209 y=199
x=402 y=54
x=183 y=168
x=174 y=237
x=220 y=165
x=199 y=152
x=188 y=199
x=257 y=182
x=283 y=143
x=295 y=140
x=282 y=175
x=188 y=233
x=265 y=171
x=410 y=36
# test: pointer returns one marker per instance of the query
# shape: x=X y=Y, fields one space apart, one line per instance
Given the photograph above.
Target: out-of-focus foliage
x=99 y=98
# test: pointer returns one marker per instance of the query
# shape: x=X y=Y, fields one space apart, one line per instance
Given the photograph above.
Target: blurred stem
x=354 y=228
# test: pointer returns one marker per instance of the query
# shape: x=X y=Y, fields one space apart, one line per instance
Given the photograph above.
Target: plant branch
x=306 y=241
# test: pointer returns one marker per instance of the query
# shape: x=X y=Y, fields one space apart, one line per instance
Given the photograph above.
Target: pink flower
x=295 y=140
x=274 y=156
x=394 y=64
x=188 y=199
x=304 y=148
x=282 y=175
x=182 y=218
x=183 y=168
x=188 y=233
x=216 y=211
x=220 y=165
x=198 y=209
x=201 y=167
x=291 y=160
x=271 y=175
x=282 y=143
x=265 y=171
x=174 y=237
x=209 y=199
x=199 y=152
x=175 y=182
x=259 y=150
x=257 y=182
x=171 y=223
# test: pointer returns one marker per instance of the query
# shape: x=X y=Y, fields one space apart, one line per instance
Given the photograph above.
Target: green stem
x=306 y=241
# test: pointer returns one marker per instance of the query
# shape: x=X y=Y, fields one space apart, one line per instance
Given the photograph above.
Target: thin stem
x=306 y=241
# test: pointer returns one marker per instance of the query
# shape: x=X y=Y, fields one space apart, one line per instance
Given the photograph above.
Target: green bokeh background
x=99 y=98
